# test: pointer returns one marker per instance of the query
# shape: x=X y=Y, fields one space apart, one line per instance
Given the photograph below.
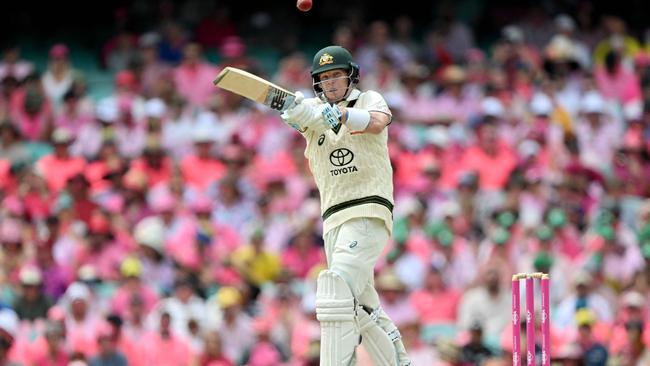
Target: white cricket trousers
x=352 y=250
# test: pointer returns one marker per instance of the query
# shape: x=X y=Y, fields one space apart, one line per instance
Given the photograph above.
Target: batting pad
x=375 y=340
x=335 y=312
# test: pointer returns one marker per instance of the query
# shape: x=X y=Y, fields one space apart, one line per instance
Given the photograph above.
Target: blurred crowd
x=172 y=223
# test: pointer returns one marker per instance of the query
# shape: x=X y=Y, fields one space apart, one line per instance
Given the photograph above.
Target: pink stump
x=530 y=321
x=546 y=322
x=516 y=327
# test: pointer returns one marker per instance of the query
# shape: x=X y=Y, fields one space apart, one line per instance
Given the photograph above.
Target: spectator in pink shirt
x=131 y=270
x=81 y=321
x=456 y=103
x=53 y=351
x=304 y=252
x=264 y=351
x=154 y=163
x=201 y=169
x=102 y=250
x=492 y=158
x=194 y=76
x=615 y=81
x=163 y=347
x=76 y=110
x=436 y=304
x=60 y=165
x=31 y=111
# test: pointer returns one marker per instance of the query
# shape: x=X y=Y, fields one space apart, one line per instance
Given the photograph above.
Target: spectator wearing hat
x=59 y=76
x=32 y=304
x=393 y=295
x=455 y=103
x=586 y=347
x=566 y=26
x=194 y=75
x=236 y=329
x=131 y=271
x=157 y=269
x=56 y=168
x=598 y=133
x=81 y=321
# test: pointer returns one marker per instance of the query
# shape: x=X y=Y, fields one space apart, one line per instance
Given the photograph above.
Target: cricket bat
x=254 y=88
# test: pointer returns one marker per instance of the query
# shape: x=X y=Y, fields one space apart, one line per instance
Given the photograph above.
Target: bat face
x=254 y=88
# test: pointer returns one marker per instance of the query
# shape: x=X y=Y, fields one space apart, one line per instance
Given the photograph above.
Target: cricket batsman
x=347 y=149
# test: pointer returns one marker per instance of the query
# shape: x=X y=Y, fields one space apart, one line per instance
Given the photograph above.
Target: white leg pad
x=335 y=310
x=376 y=341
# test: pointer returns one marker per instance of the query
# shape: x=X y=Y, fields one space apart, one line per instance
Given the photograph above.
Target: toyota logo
x=341 y=157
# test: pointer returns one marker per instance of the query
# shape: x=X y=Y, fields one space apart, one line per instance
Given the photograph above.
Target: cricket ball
x=304 y=5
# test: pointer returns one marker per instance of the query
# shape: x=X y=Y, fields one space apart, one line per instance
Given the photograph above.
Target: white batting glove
x=332 y=115
x=302 y=116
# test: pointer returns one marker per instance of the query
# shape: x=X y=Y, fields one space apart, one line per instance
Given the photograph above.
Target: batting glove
x=332 y=115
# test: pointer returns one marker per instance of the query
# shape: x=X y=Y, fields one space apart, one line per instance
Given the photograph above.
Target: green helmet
x=330 y=58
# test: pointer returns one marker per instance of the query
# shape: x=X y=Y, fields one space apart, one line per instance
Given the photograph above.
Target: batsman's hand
x=302 y=115
x=332 y=115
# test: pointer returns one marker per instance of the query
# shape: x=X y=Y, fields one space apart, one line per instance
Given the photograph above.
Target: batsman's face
x=334 y=83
